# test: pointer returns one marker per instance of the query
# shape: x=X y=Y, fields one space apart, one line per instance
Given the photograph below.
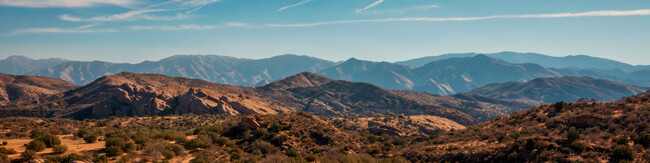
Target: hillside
x=562 y=132
x=20 y=89
x=549 y=90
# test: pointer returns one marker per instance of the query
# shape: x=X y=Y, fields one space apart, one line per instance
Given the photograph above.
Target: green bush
x=263 y=147
x=36 y=145
x=90 y=138
x=578 y=147
x=531 y=144
x=177 y=149
x=203 y=159
x=623 y=152
x=643 y=139
x=49 y=139
x=196 y=143
x=279 y=139
x=620 y=140
x=59 y=149
x=114 y=151
x=28 y=155
x=7 y=150
x=573 y=134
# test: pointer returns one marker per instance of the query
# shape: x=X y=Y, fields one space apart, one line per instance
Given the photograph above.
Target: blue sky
x=379 y=30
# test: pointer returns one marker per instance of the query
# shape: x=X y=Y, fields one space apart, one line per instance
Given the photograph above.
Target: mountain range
x=549 y=90
x=443 y=75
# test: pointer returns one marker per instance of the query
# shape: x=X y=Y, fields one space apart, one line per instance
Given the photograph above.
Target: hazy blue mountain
x=549 y=90
x=443 y=77
x=458 y=75
x=214 y=68
x=383 y=74
x=573 y=61
x=19 y=65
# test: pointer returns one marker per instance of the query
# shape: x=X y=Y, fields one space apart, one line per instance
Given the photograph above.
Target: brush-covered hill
x=549 y=90
x=130 y=94
x=21 y=89
x=559 y=132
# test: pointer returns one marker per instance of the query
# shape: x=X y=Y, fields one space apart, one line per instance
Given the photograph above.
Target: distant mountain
x=219 y=69
x=443 y=77
x=384 y=74
x=20 y=65
x=574 y=61
x=20 y=89
x=549 y=90
x=458 y=75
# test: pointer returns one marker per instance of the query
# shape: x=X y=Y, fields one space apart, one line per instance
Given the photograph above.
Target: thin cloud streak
x=64 y=3
x=80 y=29
x=640 y=12
x=403 y=10
x=189 y=27
x=294 y=5
x=130 y=15
x=370 y=6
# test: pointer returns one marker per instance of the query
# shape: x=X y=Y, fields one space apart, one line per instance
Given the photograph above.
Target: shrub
x=559 y=105
x=373 y=151
x=643 y=139
x=59 y=149
x=169 y=154
x=263 y=147
x=620 y=140
x=623 y=152
x=90 y=138
x=28 y=155
x=196 y=143
x=203 y=159
x=81 y=133
x=5 y=142
x=259 y=133
x=177 y=149
x=279 y=139
x=36 y=145
x=531 y=144
x=7 y=150
x=573 y=134
x=578 y=147
x=292 y=153
x=49 y=139
x=114 y=151
x=311 y=158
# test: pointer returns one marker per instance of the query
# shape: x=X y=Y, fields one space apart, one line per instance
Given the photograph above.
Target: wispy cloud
x=190 y=27
x=130 y=15
x=81 y=29
x=641 y=12
x=64 y=3
x=294 y=5
x=370 y=6
x=403 y=10
x=188 y=6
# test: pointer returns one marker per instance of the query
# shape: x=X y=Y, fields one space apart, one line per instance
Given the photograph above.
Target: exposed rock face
x=128 y=94
x=250 y=122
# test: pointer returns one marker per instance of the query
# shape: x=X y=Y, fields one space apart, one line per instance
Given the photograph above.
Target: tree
x=623 y=152
x=36 y=145
x=49 y=139
x=114 y=151
x=28 y=155
x=90 y=138
x=59 y=149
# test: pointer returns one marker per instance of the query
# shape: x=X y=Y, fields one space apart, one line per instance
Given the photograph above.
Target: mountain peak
x=303 y=79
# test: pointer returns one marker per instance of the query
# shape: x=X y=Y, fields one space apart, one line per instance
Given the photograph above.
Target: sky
x=378 y=30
